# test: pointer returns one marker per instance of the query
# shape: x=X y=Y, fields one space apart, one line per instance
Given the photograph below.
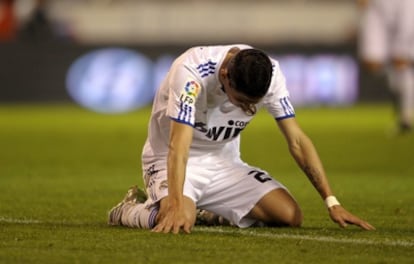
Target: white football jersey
x=192 y=94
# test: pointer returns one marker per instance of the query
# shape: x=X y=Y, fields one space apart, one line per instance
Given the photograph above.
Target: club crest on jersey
x=190 y=92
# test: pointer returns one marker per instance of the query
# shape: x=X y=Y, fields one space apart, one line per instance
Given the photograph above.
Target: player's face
x=234 y=96
x=246 y=103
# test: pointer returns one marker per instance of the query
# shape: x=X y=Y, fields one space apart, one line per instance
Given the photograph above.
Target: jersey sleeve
x=184 y=89
x=277 y=100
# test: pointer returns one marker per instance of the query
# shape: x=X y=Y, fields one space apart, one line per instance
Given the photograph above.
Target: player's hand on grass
x=173 y=221
x=341 y=216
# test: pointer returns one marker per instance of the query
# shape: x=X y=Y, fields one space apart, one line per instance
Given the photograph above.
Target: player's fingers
x=187 y=228
x=167 y=228
x=342 y=224
x=176 y=228
x=161 y=227
x=361 y=223
x=366 y=226
x=158 y=228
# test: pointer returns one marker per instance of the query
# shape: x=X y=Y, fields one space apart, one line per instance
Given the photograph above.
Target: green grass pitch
x=62 y=167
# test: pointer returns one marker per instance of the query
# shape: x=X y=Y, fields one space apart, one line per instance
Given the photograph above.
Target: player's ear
x=223 y=71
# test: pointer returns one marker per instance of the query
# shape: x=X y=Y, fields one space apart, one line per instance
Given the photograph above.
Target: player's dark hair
x=250 y=74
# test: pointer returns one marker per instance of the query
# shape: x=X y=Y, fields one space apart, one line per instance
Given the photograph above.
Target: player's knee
x=296 y=218
x=290 y=216
x=285 y=212
x=293 y=217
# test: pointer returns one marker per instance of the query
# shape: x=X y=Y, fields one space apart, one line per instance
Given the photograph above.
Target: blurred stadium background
x=110 y=55
x=62 y=167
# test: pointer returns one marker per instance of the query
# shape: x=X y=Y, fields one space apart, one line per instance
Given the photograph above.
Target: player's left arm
x=305 y=154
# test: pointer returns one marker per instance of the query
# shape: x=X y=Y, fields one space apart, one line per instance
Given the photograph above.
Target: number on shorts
x=260 y=176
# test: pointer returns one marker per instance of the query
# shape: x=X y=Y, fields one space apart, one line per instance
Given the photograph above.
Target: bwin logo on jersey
x=222 y=132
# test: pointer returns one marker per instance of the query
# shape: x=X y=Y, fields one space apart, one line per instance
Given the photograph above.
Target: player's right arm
x=177 y=212
x=173 y=215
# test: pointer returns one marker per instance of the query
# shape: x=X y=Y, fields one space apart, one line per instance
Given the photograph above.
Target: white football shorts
x=224 y=186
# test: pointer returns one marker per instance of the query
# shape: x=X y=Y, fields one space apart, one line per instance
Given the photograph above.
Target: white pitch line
x=245 y=232
x=18 y=221
x=386 y=242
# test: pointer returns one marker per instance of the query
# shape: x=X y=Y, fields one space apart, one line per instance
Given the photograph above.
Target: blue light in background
x=320 y=79
x=111 y=80
x=116 y=80
x=332 y=80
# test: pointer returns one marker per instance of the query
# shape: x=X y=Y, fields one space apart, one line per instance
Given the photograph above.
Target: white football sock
x=136 y=215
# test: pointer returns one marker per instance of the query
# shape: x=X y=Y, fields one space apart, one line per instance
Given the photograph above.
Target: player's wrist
x=331 y=201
